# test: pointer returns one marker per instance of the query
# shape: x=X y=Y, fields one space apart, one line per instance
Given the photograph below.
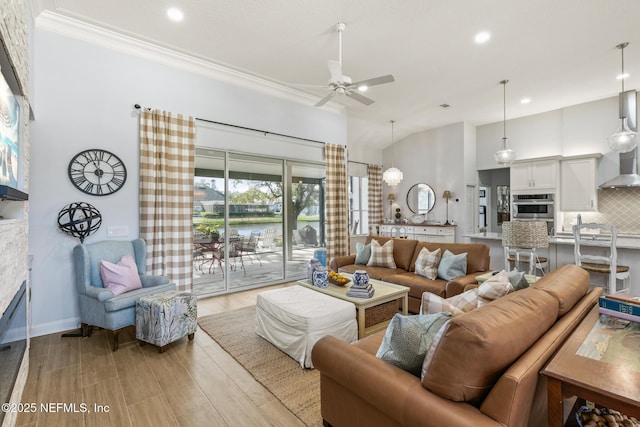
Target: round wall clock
x=97 y=172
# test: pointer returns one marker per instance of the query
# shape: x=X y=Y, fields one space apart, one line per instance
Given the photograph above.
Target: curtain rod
x=265 y=132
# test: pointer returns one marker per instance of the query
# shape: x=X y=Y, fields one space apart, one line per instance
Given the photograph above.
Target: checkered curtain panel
x=374 y=196
x=167 y=161
x=336 y=201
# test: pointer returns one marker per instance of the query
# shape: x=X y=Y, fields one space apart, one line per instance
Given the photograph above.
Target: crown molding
x=93 y=34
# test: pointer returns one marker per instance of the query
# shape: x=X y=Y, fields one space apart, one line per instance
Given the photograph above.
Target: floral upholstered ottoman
x=166 y=317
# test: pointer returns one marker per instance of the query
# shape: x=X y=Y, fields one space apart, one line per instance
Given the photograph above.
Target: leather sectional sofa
x=483 y=371
x=405 y=253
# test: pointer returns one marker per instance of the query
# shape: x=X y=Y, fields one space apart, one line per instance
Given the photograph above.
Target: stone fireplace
x=13 y=343
x=16 y=26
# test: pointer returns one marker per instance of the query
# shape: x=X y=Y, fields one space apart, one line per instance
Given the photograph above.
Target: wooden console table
x=612 y=382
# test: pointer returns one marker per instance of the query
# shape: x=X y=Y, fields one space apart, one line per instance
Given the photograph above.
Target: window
x=358 y=204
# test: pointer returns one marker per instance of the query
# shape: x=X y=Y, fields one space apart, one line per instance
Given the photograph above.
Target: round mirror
x=421 y=198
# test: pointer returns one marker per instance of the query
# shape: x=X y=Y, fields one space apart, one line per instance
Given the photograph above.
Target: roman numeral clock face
x=97 y=172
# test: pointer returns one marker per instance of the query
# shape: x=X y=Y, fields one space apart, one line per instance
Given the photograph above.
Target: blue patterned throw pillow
x=408 y=338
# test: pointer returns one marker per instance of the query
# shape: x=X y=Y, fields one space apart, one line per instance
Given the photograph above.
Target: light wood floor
x=191 y=384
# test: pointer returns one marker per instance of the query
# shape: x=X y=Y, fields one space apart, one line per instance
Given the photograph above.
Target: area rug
x=298 y=389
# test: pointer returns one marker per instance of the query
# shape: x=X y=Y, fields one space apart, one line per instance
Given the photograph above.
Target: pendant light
x=505 y=156
x=392 y=176
x=624 y=139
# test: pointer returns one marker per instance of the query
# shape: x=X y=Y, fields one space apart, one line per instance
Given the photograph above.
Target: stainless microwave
x=533 y=206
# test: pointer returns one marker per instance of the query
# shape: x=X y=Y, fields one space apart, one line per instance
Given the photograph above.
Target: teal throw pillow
x=363 y=253
x=408 y=339
x=517 y=279
x=452 y=266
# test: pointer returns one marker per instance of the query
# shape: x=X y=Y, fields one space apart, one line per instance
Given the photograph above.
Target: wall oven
x=534 y=207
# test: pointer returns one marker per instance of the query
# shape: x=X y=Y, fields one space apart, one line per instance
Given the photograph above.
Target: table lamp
x=447 y=195
x=391 y=198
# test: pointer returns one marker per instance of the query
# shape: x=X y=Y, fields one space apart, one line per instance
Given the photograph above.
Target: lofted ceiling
x=555 y=52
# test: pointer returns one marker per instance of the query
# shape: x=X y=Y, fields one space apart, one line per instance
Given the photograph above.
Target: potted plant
x=209 y=230
x=398 y=215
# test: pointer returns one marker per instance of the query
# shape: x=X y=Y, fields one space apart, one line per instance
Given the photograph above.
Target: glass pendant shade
x=624 y=139
x=392 y=176
x=505 y=156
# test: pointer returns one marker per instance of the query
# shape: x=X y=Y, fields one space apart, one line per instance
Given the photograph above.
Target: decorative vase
x=360 y=278
x=321 y=277
x=311 y=267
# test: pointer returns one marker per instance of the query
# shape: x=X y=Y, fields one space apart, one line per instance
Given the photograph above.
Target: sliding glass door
x=244 y=234
x=254 y=225
x=305 y=215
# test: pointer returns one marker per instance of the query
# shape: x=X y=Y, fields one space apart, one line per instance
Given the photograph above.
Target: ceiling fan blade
x=360 y=98
x=324 y=100
x=335 y=68
x=308 y=86
x=375 y=81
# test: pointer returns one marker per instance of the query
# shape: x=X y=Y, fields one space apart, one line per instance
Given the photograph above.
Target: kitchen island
x=560 y=252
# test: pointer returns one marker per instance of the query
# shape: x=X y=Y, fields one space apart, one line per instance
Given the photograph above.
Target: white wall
x=569 y=131
x=85 y=98
x=435 y=157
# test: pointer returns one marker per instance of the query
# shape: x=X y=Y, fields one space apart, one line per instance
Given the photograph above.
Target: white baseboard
x=54 y=327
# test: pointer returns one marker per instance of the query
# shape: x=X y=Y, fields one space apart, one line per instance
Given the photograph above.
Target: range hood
x=628 y=161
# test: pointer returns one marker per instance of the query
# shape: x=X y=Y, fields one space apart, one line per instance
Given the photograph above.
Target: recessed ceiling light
x=175 y=14
x=482 y=37
x=622 y=76
x=445 y=105
x=525 y=100
x=363 y=88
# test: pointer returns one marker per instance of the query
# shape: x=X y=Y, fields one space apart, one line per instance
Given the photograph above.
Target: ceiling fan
x=342 y=84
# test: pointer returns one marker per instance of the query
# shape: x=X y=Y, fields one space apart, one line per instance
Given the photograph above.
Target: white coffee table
x=369 y=308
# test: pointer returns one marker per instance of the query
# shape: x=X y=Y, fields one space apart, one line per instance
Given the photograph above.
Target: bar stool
x=599 y=263
x=520 y=239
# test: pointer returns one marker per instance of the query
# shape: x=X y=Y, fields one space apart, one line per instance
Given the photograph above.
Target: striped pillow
x=427 y=263
x=493 y=288
x=381 y=256
x=456 y=305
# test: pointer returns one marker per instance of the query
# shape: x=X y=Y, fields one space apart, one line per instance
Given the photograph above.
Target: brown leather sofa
x=405 y=253
x=484 y=370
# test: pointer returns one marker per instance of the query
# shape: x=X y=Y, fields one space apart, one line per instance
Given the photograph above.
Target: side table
x=609 y=377
x=165 y=317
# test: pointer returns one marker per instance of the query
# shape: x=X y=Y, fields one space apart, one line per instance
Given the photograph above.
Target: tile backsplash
x=620 y=207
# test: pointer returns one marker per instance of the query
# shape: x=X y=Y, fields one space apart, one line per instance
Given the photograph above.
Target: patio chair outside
x=266 y=240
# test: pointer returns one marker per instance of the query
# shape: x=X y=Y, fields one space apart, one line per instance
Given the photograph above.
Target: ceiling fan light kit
x=624 y=139
x=505 y=155
x=340 y=84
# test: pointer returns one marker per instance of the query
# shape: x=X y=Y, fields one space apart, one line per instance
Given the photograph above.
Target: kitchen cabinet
x=423 y=233
x=534 y=175
x=578 y=185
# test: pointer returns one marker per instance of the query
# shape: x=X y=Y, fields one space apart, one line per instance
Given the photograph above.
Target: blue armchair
x=98 y=305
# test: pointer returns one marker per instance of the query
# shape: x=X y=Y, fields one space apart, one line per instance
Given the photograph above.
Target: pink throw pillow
x=122 y=277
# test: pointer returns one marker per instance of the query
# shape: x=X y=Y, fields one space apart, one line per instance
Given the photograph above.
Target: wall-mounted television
x=9 y=143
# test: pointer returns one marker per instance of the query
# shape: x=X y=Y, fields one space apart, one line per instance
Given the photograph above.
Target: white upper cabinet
x=578 y=190
x=534 y=175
